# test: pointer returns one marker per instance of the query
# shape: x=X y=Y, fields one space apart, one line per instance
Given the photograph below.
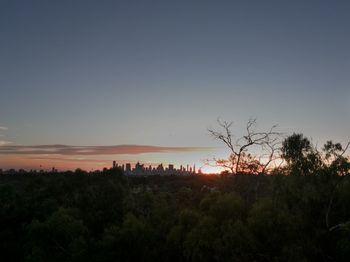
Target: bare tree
x=252 y=153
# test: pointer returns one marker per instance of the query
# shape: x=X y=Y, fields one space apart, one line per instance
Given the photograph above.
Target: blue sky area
x=160 y=73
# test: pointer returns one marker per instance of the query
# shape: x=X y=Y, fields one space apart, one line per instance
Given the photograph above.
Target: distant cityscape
x=138 y=169
x=141 y=169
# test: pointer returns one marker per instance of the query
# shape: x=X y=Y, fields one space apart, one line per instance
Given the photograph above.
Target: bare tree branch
x=268 y=143
x=345 y=149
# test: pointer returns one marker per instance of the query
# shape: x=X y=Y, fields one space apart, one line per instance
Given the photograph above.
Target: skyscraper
x=128 y=167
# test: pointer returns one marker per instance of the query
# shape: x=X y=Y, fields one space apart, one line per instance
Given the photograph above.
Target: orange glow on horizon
x=63 y=163
x=68 y=157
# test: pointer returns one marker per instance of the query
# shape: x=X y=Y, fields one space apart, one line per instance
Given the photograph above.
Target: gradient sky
x=159 y=73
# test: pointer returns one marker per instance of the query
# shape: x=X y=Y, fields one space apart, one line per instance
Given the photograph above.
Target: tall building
x=160 y=168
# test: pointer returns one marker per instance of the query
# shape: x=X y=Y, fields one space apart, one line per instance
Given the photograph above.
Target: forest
x=297 y=212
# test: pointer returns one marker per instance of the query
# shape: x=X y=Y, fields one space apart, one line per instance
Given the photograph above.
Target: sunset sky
x=83 y=83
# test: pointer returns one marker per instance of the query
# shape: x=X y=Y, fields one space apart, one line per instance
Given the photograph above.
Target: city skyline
x=86 y=75
x=129 y=169
x=160 y=169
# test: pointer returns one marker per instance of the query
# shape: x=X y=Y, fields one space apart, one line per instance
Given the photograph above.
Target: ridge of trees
x=107 y=217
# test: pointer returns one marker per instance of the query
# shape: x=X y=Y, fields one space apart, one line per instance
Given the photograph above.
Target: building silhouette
x=141 y=169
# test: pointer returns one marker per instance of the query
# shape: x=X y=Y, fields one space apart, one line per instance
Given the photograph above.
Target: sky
x=144 y=80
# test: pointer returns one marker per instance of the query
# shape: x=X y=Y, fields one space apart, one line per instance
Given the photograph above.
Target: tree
x=241 y=158
x=61 y=237
x=334 y=160
x=301 y=157
x=295 y=148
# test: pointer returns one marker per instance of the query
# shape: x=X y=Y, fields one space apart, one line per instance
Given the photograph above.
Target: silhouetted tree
x=301 y=157
x=241 y=158
x=295 y=148
x=304 y=159
x=334 y=159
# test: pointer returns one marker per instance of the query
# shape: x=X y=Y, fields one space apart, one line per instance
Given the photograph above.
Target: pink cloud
x=69 y=150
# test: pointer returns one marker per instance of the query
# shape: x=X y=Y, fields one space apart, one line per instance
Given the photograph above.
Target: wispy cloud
x=3 y=128
x=70 y=150
x=67 y=159
x=4 y=143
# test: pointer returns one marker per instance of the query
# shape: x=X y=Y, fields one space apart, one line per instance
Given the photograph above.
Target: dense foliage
x=110 y=217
